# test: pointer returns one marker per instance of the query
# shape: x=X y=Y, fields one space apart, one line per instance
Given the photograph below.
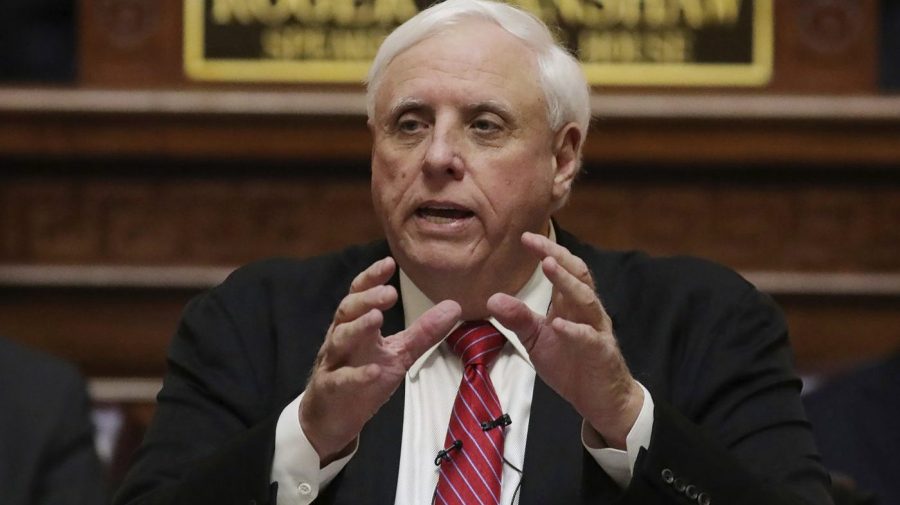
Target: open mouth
x=443 y=214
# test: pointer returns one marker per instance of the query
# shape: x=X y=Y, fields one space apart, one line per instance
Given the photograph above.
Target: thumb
x=515 y=315
x=428 y=330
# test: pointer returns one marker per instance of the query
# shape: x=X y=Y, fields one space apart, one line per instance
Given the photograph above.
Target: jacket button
x=667 y=476
x=691 y=492
x=679 y=485
x=703 y=499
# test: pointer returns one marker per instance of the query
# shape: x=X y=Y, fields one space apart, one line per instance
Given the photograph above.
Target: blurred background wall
x=132 y=179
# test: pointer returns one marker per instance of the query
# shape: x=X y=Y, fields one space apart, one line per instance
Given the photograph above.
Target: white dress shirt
x=430 y=389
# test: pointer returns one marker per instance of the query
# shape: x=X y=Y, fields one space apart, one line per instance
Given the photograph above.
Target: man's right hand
x=357 y=370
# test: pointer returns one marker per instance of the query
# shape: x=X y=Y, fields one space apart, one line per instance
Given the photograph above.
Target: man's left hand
x=573 y=348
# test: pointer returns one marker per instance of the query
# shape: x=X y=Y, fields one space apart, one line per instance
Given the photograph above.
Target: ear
x=566 y=151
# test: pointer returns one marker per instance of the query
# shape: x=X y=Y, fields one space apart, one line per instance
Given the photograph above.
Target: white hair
x=565 y=87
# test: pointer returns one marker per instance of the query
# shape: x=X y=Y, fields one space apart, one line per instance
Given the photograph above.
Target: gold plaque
x=621 y=42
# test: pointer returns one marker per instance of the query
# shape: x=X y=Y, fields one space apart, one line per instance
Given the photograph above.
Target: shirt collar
x=536 y=294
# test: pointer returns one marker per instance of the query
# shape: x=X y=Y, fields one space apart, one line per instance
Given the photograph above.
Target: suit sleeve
x=731 y=428
x=212 y=436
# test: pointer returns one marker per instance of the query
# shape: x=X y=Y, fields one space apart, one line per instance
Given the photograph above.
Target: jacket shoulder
x=636 y=274
x=20 y=364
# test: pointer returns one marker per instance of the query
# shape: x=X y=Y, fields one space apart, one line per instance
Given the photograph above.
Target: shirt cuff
x=618 y=464
x=295 y=465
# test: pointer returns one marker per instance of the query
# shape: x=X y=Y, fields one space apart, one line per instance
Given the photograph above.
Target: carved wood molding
x=658 y=129
x=711 y=106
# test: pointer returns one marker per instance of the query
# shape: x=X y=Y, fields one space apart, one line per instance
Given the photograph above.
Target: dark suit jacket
x=46 y=436
x=710 y=348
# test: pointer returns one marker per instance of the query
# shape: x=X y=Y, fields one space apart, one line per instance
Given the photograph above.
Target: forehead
x=475 y=60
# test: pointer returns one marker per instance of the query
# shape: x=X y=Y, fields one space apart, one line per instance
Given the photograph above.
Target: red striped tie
x=470 y=473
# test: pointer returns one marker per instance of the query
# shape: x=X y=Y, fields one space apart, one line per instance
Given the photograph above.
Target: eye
x=410 y=124
x=486 y=125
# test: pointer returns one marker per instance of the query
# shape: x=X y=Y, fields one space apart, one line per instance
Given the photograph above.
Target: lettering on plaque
x=619 y=42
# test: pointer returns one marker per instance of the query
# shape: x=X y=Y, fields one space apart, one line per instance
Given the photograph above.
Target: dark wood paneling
x=785 y=225
x=97 y=135
x=764 y=223
x=332 y=140
x=742 y=141
x=826 y=46
x=130 y=43
x=106 y=332
x=832 y=334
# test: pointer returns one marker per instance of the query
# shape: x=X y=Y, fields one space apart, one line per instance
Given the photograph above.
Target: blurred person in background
x=47 y=454
x=857 y=428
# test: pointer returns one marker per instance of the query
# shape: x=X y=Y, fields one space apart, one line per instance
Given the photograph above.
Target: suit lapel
x=553 y=450
x=557 y=468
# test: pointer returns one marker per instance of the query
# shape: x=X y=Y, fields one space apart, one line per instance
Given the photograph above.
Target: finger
x=353 y=336
x=346 y=377
x=583 y=332
x=571 y=330
x=543 y=247
x=429 y=329
x=376 y=274
x=515 y=315
x=576 y=295
x=356 y=304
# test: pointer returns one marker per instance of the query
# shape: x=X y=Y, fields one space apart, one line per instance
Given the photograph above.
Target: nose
x=444 y=157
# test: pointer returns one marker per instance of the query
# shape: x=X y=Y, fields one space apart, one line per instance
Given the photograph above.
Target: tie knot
x=476 y=342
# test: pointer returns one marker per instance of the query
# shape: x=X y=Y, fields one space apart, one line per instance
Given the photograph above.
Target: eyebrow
x=409 y=103
x=403 y=105
x=494 y=106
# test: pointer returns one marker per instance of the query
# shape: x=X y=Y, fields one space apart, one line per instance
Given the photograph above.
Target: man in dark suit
x=46 y=437
x=623 y=377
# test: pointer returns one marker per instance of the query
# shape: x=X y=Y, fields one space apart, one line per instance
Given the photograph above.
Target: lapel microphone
x=503 y=420
x=444 y=454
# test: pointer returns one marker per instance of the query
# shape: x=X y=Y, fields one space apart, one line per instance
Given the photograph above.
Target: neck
x=471 y=290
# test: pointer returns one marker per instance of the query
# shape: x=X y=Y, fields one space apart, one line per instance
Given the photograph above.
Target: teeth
x=441 y=220
x=443 y=215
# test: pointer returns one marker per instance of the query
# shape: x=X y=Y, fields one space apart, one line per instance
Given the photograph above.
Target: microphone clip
x=444 y=454
x=502 y=421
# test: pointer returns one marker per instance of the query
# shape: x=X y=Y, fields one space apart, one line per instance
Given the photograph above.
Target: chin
x=447 y=263
x=442 y=258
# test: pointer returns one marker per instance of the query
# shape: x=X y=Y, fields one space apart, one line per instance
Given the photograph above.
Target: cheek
x=529 y=175
x=529 y=192
x=389 y=183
